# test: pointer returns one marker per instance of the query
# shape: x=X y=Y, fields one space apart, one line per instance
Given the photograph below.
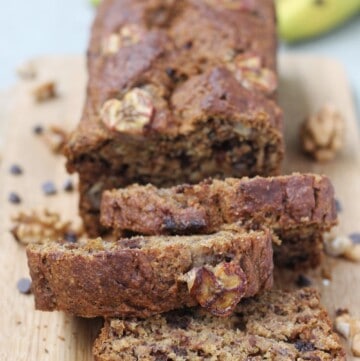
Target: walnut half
x=130 y=114
x=218 y=289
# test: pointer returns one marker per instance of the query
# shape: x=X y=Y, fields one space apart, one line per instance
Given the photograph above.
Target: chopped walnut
x=40 y=226
x=322 y=134
x=251 y=74
x=130 y=34
x=45 y=91
x=219 y=288
x=343 y=246
x=55 y=138
x=349 y=327
x=27 y=71
x=131 y=114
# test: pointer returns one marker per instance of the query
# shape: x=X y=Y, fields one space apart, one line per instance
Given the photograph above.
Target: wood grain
x=306 y=83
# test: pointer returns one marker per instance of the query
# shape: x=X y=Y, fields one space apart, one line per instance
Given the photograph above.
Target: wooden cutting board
x=306 y=84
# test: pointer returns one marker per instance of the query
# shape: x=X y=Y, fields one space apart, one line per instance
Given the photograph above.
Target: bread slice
x=274 y=326
x=298 y=207
x=142 y=276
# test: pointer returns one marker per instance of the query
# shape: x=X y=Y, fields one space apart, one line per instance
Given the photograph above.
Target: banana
x=301 y=19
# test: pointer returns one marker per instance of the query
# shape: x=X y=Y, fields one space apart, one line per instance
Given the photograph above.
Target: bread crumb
x=45 y=92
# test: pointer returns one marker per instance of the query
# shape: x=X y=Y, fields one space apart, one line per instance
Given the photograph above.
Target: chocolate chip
x=223 y=96
x=178 y=319
x=188 y=45
x=303 y=281
x=24 y=286
x=338 y=206
x=341 y=311
x=183 y=227
x=68 y=185
x=179 y=351
x=49 y=188
x=14 y=198
x=171 y=73
x=38 y=129
x=355 y=237
x=304 y=346
x=70 y=237
x=15 y=169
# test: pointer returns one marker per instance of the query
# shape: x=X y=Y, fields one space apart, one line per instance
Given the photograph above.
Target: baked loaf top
x=142 y=276
x=274 y=326
x=283 y=203
x=166 y=67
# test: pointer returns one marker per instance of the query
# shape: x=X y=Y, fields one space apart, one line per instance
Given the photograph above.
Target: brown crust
x=140 y=276
x=205 y=124
x=277 y=325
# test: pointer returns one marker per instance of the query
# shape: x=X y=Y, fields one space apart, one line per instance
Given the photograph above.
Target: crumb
x=322 y=134
x=45 y=91
x=14 y=198
x=38 y=226
x=62 y=338
x=15 y=169
x=24 y=286
x=341 y=311
x=46 y=350
x=326 y=273
x=18 y=323
x=49 y=188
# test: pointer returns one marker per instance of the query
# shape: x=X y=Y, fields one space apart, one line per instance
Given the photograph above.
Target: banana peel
x=304 y=19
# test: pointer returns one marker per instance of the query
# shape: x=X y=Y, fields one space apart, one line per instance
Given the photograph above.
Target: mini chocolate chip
x=355 y=237
x=68 y=185
x=304 y=346
x=14 y=198
x=70 y=237
x=188 y=45
x=338 y=206
x=38 y=129
x=341 y=311
x=179 y=351
x=15 y=169
x=24 y=286
x=170 y=72
x=49 y=188
x=223 y=96
x=303 y=281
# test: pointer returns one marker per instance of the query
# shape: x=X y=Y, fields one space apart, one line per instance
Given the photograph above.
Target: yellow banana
x=301 y=19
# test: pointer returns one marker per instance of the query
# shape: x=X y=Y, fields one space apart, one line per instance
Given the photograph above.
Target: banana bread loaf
x=142 y=276
x=178 y=91
x=276 y=326
x=298 y=207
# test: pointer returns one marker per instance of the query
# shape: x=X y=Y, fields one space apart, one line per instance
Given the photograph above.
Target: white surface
x=29 y=28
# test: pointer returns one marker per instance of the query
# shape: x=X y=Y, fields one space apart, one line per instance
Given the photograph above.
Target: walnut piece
x=251 y=74
x=342 y=246
x=129 y=34
x=55 y=138
x=129 y=115
x=322 y=134
x=218 y=289
x=45 y=91
x=27 y=71
x=349 y=327
x=40 y=226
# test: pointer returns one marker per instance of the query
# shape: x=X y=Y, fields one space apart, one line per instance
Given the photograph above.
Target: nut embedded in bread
x=142 y=276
